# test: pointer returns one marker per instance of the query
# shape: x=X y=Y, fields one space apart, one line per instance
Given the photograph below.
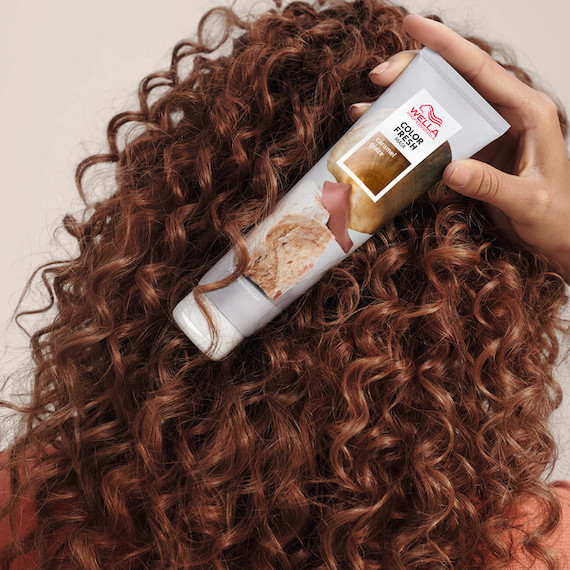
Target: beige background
x=67 y=67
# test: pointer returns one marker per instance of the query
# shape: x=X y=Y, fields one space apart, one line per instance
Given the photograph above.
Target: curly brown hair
x=392 y=417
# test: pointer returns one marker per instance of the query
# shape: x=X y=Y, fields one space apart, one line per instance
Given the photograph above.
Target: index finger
x=494 y=82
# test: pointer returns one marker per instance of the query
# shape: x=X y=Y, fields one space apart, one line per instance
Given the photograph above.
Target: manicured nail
x=357 y=107
x=379 y=69
x=457 y=176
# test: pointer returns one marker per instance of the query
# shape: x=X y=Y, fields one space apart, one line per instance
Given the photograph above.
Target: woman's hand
x=524 y=176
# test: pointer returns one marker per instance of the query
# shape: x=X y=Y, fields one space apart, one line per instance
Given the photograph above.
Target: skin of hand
x=524 y=176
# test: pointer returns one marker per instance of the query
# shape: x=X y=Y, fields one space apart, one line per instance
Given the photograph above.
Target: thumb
x=511 y=194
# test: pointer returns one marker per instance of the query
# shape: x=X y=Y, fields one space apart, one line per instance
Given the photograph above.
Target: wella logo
x=426 y=118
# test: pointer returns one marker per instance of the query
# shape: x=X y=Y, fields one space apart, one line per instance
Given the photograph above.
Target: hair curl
x=392 y=417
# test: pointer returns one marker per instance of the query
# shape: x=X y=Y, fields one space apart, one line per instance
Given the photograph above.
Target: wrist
x=559 y=256
x=566 y=275
x=564 y=260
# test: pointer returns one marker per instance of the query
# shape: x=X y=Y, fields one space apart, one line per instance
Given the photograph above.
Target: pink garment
x=26 y=520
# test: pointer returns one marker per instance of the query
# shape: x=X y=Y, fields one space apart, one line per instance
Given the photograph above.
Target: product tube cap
x=191 y=320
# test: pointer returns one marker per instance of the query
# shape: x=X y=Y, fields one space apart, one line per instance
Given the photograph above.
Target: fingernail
x=357 y=107
x=379 y=70
x=457 y=176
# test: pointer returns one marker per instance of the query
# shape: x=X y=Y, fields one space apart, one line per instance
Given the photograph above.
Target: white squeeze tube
x=394 y=153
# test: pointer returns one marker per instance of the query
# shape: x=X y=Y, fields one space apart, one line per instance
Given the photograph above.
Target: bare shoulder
x=559 y=540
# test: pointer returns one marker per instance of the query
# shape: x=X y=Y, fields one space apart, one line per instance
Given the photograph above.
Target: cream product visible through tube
x=394 y=153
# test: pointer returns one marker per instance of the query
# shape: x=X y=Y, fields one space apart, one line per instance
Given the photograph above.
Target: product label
x=400 y=142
